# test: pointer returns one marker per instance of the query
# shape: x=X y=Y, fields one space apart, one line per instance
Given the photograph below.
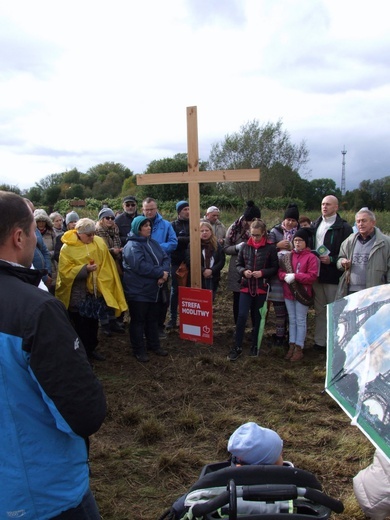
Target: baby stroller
x=254 y=493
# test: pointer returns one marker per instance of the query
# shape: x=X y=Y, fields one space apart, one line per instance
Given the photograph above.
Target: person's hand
x=207 y=273
x=257 y=274
x=346 y=263
x=289 y=278
x=325 y=259
x=240 y=246
x=91 y=267
x=247 y=273
x=48 y=281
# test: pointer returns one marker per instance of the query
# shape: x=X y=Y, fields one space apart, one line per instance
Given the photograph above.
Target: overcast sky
x=84 y=82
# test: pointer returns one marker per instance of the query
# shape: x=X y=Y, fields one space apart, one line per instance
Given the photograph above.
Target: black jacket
x=263 y=259
x=334 y=237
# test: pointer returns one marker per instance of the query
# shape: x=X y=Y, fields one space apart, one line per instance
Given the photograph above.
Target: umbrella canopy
x=358 y=361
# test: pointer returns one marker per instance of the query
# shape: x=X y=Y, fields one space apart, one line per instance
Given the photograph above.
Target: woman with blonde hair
x=212 y=258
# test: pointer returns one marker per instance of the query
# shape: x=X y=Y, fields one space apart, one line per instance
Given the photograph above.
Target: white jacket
x=372 y=488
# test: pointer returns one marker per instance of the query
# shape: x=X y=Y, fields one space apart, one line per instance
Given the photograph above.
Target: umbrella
x=263 y=314
x=358 y=361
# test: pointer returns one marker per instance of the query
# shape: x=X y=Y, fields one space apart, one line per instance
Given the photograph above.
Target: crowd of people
x=291 y=266
x=90 y=273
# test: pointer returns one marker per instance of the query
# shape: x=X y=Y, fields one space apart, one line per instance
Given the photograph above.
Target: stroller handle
x=317 y=496
x=268 y=492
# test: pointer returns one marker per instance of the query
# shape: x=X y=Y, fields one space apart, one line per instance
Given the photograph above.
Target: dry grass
x=169 y=417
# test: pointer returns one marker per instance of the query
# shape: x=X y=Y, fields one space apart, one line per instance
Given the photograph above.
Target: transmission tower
x=343 y=172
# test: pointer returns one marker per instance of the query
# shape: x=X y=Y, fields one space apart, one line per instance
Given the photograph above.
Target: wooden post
x=193 y=177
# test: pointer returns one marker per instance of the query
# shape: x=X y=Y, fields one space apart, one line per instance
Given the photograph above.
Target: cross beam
x=193 y=177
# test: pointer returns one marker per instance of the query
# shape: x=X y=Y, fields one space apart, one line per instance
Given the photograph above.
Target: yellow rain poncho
x=104 y=281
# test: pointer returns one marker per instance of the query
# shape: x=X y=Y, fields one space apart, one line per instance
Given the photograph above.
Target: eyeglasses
x=298 y=240
x=109 y=218
x=255 y=234
x=127 y=204
x=88 y=234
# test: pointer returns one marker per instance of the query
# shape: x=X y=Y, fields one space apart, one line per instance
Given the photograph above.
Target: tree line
x=284 y=176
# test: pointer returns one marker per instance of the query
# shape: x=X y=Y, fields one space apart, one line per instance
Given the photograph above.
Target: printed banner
x=196 y=314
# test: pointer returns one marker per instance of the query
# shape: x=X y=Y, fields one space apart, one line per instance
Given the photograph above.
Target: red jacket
x=305 y=267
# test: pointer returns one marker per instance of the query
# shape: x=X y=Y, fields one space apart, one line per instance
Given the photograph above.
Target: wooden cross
x=193 y=177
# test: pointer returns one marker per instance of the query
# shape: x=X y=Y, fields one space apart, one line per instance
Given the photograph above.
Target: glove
x=239 y=246
x=289 y=278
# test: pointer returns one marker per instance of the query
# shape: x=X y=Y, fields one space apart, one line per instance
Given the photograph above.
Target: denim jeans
x=86 y=510
x=248 y=303
x=297 y=321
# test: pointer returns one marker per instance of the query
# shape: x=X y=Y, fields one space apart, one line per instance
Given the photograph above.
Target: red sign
x=196 y=314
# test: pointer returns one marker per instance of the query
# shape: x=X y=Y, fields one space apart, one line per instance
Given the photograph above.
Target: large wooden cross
x=193 y=177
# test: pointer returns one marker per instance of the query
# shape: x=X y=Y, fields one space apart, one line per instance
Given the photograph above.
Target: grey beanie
x=105 y=212
x=71 y=217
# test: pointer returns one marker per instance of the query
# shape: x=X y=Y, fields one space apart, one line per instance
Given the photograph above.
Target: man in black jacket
x=181 y=227
x=124 y=220
x=330 y=230
x=51 y=400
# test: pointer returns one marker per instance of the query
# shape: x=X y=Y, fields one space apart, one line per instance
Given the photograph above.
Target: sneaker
x=297 y=355
x=235 y=353
x=160 y=352
x=142 y=358
x=254 y=351
x=115 y=327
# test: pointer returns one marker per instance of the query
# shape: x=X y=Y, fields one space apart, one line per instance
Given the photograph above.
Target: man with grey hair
x=364 y=256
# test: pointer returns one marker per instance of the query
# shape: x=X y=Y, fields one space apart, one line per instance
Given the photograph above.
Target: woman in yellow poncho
x=86 y=269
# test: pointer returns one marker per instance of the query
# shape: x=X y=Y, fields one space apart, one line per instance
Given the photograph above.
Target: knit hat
x=105 y=212
x=85 y=225
x=211 y=209
x=130 y=198
x=181 y=205
x=71 y=217
x=41 y=215
x=304 y=234
x=137 y=223
x=253 y=444
x=292 y=212
x=251 y=211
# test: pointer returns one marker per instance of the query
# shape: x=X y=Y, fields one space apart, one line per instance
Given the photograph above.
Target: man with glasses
x=164 y=234
x=124 y=220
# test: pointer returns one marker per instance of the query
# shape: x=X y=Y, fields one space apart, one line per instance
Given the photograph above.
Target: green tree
x=256 y=146
x=319 y=188
x=8 y=187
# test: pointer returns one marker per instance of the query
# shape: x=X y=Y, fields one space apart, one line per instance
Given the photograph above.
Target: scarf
x=288 y=234
x=257 y=245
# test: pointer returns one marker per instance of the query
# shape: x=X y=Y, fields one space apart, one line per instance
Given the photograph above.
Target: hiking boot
x=142 y=358
x=297 y=355
x=115 y=327
x=162 y=333
x=235 y=353
x=290 y=351
x=253 y=352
